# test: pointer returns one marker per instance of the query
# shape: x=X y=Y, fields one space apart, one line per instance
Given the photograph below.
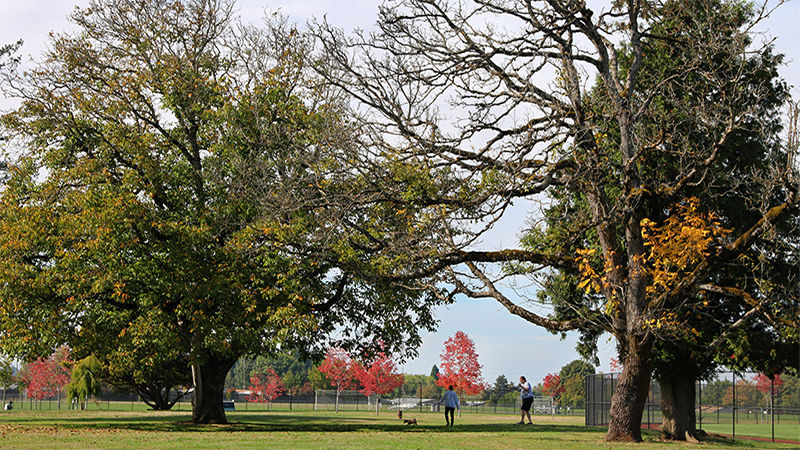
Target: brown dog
x=410 y=421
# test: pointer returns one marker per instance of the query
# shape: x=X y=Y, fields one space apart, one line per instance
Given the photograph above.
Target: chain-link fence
x=745 y=404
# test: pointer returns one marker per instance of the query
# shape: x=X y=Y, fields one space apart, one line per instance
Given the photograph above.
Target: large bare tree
x=467 y=107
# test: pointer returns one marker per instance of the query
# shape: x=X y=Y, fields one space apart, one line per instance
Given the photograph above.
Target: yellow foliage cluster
x=676 y=246
x=591 y=281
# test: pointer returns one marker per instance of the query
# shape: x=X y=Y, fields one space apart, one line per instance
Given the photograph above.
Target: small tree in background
x=460 y=367
x=6 y=373
x=765 y=383
x=293 y=382
x=378 y=377
x=338 y=369
x=46 y=378
x=500 y=388
x=317 y=379
x=265 y=387
x=306 y=388
x=85 y=381
x=572 y=377
x=552 y=386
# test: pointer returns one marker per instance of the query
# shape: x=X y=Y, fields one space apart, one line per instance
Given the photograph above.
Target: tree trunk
x=630 y=394
x=209 y=385
x=678 y=393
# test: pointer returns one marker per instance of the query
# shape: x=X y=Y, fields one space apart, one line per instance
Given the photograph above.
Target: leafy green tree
x=499 y=389
x=85 y=381
x=132 y=219
x=160 y=375
x=318 y=379
x=714 y=390
x=422 y=386
x=6 y=374
x=572 y=377
x=293 y=382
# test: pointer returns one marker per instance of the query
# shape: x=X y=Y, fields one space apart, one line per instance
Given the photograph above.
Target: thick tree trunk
x=678 y=405
x=209 y=386
x=630 y=395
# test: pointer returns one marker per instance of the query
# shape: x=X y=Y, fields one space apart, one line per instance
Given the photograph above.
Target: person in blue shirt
x=526 y=394
x=450 y=400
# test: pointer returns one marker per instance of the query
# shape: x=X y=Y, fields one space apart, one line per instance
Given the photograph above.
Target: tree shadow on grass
x=287 y=423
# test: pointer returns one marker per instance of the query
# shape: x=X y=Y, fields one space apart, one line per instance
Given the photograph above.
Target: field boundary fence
x=725 y=401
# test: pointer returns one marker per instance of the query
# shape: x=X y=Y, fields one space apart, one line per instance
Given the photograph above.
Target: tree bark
x=630 y=394
x=678 y=393
x=209 y=385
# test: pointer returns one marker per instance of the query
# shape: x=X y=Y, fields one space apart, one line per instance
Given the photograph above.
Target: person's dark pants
x=526 y=404
x=452 y=412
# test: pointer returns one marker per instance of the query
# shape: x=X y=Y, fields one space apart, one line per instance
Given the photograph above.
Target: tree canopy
x=152 y=140
x=636 y=125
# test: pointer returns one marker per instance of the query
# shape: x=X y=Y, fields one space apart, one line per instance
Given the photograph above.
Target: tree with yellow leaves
x=613 y=119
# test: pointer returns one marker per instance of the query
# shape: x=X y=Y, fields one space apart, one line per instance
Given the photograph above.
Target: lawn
x=787 y=431
x=303 y=429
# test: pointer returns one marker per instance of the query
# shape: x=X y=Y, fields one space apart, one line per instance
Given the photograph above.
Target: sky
x=505 y=344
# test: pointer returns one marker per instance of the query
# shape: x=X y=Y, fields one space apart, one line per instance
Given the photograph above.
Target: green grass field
x=786 y=431
x=305 y=429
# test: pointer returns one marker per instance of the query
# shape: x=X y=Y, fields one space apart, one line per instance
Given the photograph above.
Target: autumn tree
x=583 y=106
x=460 y=367
x=265 y=386
x=378 y=375
x=46 y=378
x=339 y=369
x=553 y=387
x=147 y=138
x=707 y=332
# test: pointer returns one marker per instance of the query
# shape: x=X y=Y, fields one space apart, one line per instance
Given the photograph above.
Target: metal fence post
x=602 y=399
x=700 y=403
x=772 y=405
x=733 y=408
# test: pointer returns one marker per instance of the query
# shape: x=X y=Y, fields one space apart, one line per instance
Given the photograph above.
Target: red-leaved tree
x=46 y=378
x=764 y=383
x=552 y=386
x=265 y=387
x=338 y=368
x=378 y=376
x=460 y=367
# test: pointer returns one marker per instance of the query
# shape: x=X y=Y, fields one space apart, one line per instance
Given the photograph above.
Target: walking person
x=450 y=400
x=526 y=394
